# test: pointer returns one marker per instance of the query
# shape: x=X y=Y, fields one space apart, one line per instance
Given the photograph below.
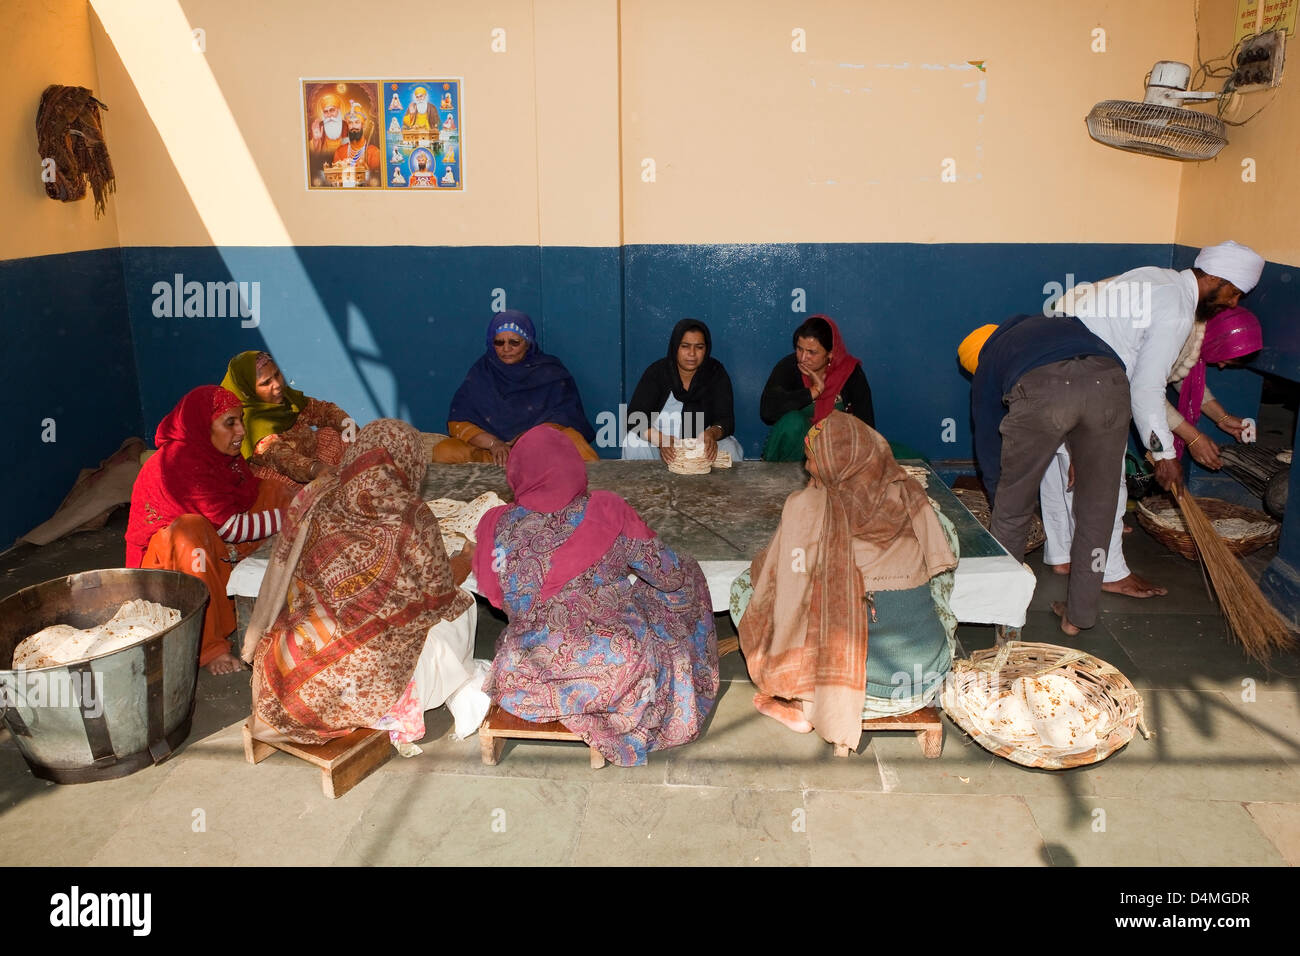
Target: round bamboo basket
x=1178 y=538
x=978 y=504
x=996 y=668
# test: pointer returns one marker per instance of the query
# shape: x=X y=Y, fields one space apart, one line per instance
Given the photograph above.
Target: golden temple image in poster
x=383 y=134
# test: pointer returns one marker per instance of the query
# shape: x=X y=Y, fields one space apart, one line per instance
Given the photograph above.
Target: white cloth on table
x=994 y=590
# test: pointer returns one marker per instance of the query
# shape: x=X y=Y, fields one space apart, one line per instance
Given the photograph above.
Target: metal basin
x=111 y=715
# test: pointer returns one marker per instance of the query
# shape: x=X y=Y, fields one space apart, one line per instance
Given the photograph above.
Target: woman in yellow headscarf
x=288 y=437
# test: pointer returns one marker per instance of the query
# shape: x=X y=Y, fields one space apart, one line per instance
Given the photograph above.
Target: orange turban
x=968 y=353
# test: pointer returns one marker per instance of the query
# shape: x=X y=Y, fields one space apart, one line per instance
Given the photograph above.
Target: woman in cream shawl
x=862 y=525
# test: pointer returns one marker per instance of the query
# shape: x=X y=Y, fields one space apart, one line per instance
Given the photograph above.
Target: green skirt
x=785 y=440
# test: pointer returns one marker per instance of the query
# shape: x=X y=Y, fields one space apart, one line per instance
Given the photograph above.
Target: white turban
x=1239 y=264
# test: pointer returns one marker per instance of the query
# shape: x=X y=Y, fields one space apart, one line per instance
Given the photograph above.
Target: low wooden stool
x=926 y=723
x=501 y=724
x=344 y=761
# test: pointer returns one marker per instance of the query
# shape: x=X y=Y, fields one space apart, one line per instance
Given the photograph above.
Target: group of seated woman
x=686 y=395
x=229 y=460
x=362 y=621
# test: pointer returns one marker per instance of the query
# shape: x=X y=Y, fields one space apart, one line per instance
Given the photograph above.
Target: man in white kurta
x=1145 y=315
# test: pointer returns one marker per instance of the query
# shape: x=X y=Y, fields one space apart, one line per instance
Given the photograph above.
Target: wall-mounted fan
x=1160 y=125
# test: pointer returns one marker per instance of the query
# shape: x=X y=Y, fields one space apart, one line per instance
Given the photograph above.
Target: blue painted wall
x=68 y=358
x=381 y=331
x=391 y=331
x=901 y=307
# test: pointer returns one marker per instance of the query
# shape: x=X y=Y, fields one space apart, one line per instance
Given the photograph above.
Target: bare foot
x=1060 y=568
x=1134 y=586
x=1058 y=608
x=789 y=714
x=227 y=663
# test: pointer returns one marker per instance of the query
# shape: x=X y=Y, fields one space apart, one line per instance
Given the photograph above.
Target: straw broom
x=1251 y=618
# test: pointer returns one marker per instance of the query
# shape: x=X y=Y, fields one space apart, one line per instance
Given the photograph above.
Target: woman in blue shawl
x=514 y=387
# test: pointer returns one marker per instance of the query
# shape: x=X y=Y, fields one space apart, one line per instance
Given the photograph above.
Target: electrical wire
x=1205 y=71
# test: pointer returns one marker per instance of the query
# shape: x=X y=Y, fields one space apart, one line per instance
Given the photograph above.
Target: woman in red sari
x=196 y=508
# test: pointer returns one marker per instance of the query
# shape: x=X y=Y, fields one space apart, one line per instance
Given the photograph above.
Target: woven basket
x=978 y=505
x=1101 y=685
x=1179 y=540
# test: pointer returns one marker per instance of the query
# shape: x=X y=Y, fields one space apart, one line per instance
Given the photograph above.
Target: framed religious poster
x=383 y=134
x=341 y=122
x=422 y=134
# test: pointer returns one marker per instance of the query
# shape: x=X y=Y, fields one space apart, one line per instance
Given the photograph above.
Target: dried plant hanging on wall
x=68 y=132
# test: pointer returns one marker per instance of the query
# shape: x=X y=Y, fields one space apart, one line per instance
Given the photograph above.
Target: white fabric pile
x=1037 y=712
x=458 y=520
x=63 y=644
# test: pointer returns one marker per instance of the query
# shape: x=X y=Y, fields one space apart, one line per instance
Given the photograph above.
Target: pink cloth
x=1230 y=334
x=545 y=472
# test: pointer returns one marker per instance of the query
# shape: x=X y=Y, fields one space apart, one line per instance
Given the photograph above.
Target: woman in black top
x=687 y=394
x=807 y=385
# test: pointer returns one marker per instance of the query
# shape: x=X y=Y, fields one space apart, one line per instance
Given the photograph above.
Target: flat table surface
x=723 y=519
x=729 y=514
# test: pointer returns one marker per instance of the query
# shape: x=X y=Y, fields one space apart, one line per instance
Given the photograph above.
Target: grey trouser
x=1085 y=403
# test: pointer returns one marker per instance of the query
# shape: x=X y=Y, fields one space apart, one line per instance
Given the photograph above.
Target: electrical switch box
x=1259 y=63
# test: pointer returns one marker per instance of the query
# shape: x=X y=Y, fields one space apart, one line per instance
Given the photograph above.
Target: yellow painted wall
x=577 y=108
x=215 y=138
x=45 y=42
x=751 y=141
x=1215 y=203
x=754 y=142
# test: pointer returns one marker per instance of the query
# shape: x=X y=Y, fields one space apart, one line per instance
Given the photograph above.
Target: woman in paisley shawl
x=860 y=549
x=360 y=621
x=629 y=666
x=288 y=437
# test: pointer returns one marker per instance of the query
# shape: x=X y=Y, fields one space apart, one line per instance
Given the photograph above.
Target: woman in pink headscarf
x=1229 y=337
x=629 y=665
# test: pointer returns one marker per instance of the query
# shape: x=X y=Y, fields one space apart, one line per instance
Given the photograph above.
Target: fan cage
x=1170 y=132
